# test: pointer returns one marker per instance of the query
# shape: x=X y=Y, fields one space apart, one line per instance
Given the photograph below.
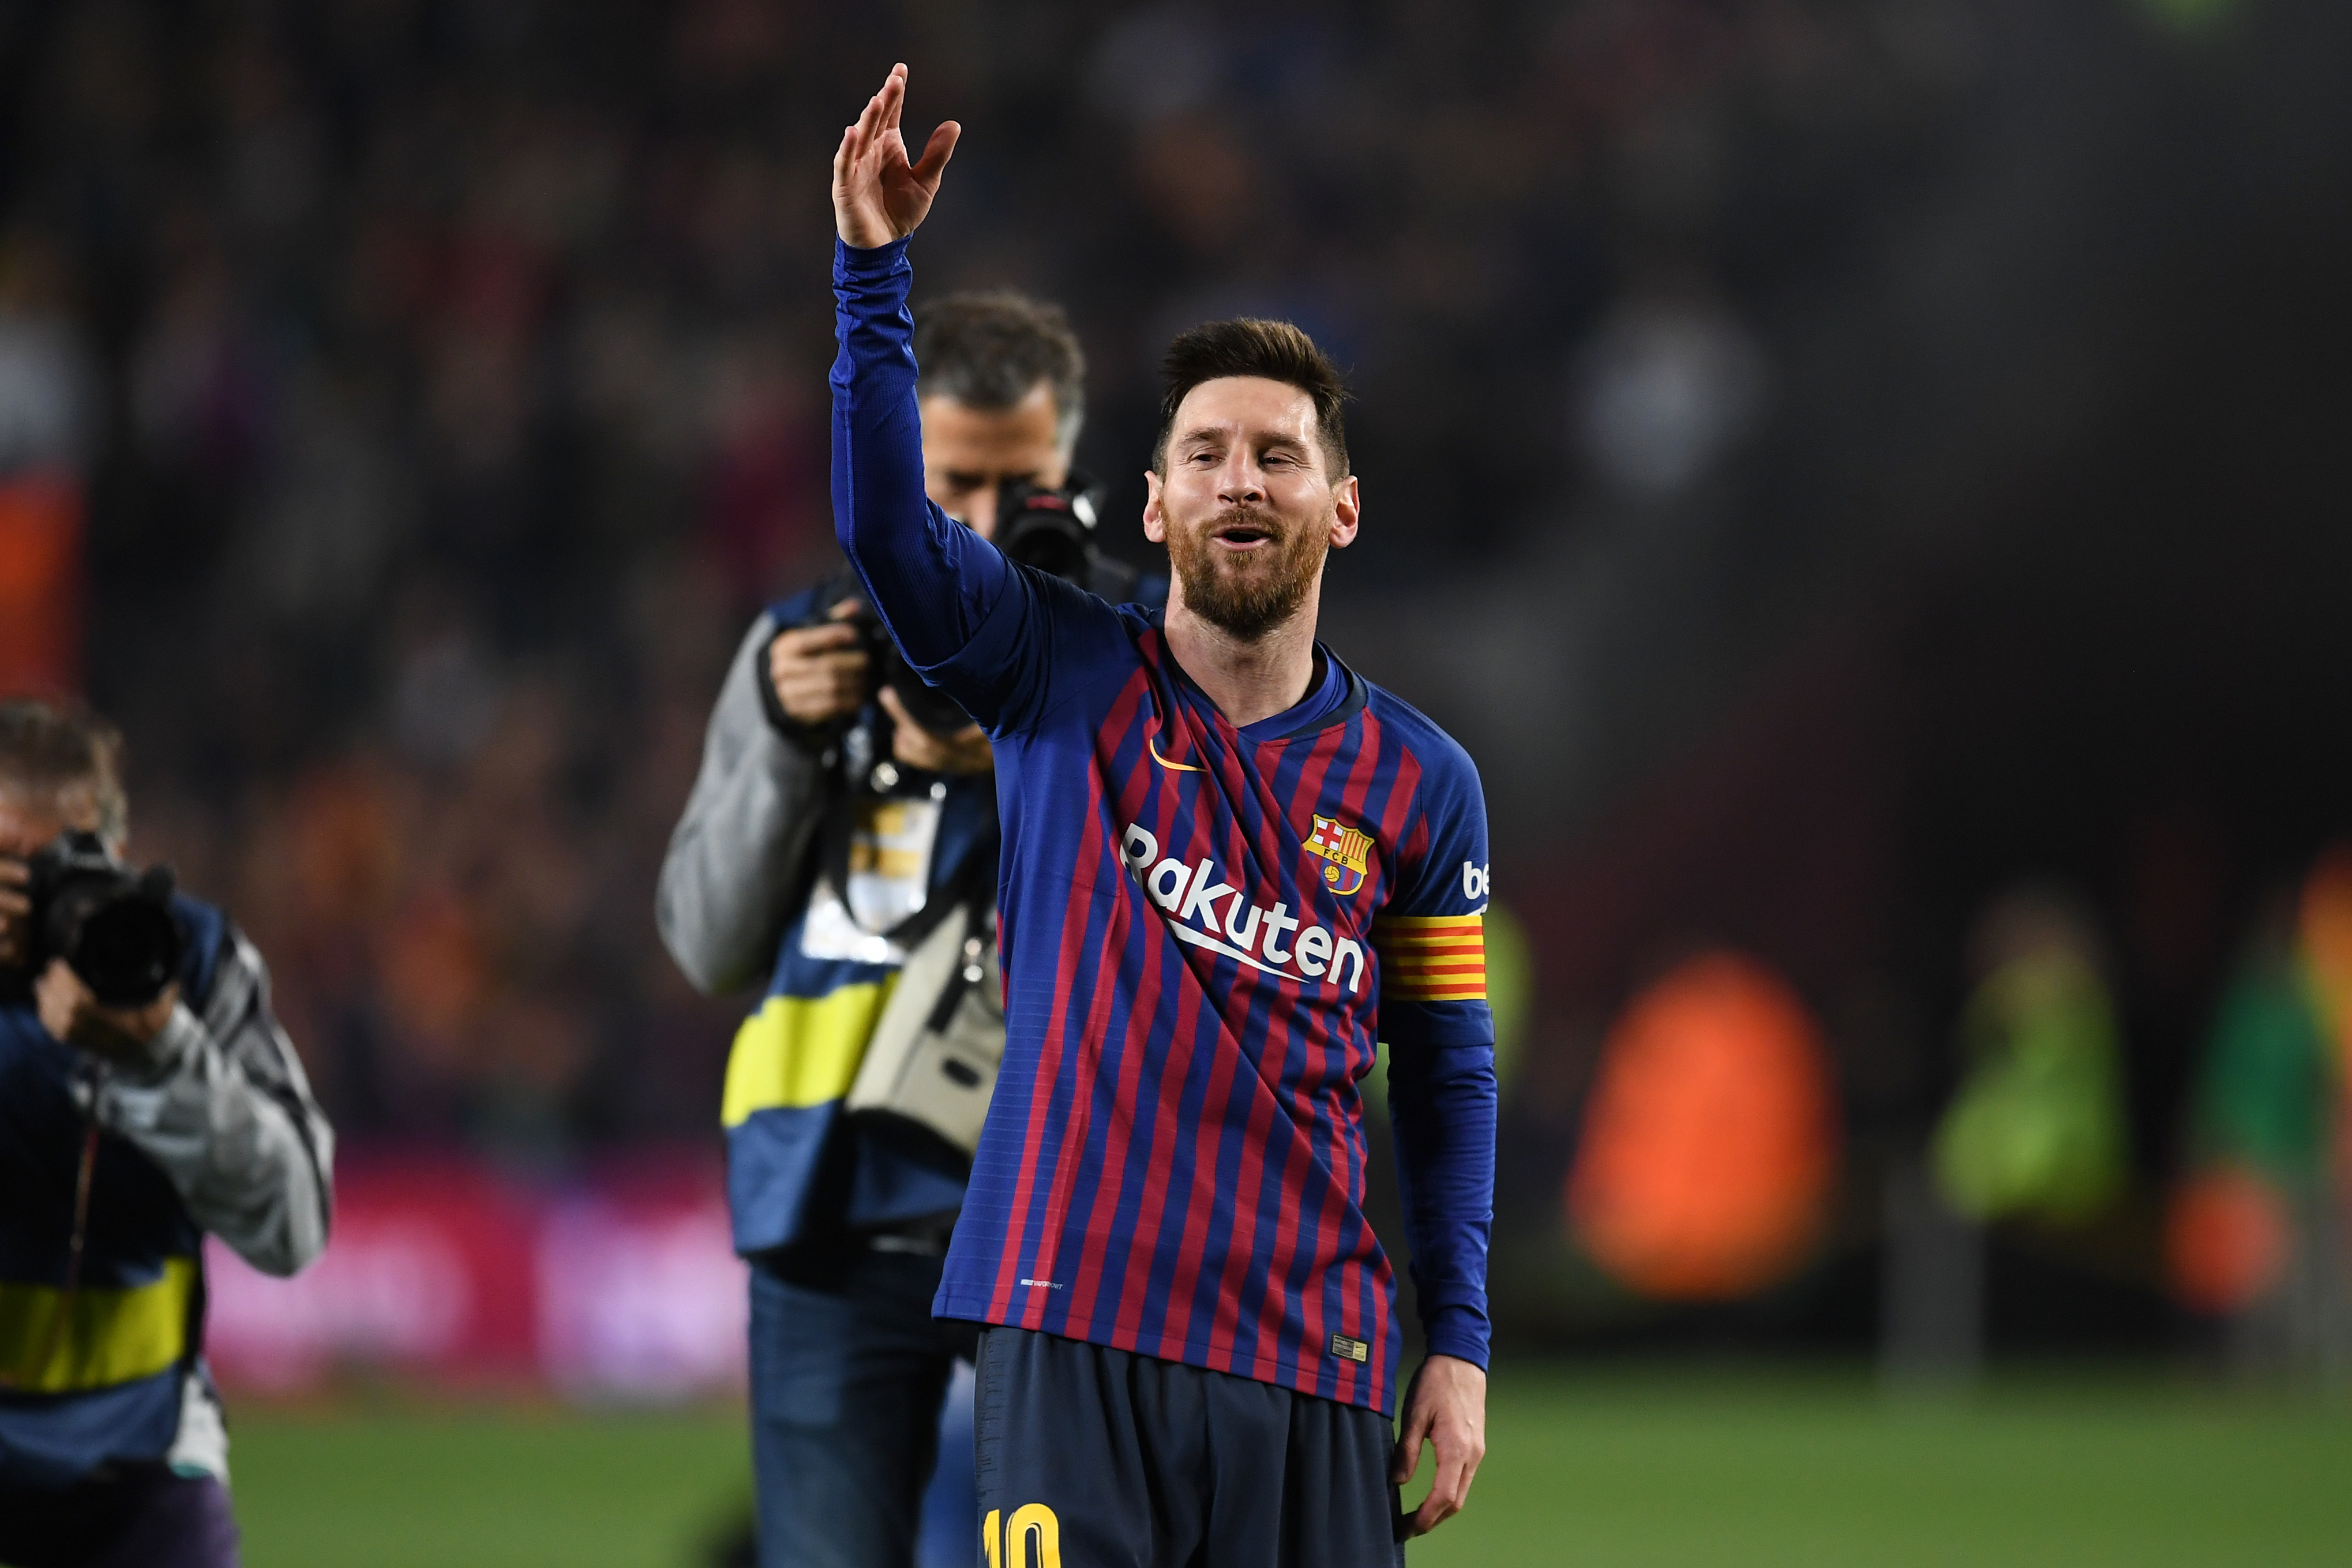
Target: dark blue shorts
x=123 y=1516
x=1087 y=1455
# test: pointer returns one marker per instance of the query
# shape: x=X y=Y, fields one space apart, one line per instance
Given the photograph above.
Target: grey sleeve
x=741 y=850
x=225 y=1111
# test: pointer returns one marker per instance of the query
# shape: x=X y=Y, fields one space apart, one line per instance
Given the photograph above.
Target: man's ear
x=1155 y=521
x=1346 y=513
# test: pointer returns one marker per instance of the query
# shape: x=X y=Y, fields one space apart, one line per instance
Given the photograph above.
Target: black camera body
x=1049 y=530
x=113 y=925
x=1053 y=531
x=929 y=707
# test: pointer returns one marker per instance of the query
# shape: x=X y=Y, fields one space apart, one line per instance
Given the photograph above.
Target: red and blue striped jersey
x=1204 y=930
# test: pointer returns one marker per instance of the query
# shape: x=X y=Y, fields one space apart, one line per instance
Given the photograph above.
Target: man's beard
x=1238 y=594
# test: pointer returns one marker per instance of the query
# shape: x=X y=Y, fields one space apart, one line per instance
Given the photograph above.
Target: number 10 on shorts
x=1031 y=1523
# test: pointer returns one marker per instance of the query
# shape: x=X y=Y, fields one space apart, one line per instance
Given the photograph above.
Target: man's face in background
x=971 y=455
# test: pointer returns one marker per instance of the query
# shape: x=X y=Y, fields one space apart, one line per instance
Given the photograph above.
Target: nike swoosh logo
x=1152 y=745
x=1186 y=933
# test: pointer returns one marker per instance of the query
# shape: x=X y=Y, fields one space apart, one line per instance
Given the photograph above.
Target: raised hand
x=877 y=195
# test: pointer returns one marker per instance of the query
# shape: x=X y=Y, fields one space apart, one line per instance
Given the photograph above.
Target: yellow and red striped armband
x=1431 y=958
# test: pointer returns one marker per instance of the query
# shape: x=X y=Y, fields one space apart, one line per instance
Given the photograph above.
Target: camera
x=113 y=925
x=1049 y=530
x=1053 y=531
x=929 y=707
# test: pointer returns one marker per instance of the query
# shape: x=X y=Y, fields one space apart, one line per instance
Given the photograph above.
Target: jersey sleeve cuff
x=1461 y=1333
x=852 y=264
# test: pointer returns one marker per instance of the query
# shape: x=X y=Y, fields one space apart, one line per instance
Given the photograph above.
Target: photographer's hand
x=819 y=672
x=121 y=1035
x=965 y=751
x=16 y=910
x=878 y=195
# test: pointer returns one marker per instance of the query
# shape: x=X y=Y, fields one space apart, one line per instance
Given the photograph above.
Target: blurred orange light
x=2326 y=936
x=2225 y=1241
x=40 y=583
x=1711 y=1142
x=2326 y=933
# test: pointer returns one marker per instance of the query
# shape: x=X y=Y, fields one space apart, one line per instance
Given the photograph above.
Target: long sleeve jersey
x=1205 y=929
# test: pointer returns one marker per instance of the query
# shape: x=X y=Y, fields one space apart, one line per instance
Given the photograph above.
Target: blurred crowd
x=404 y=405
x=447 y=384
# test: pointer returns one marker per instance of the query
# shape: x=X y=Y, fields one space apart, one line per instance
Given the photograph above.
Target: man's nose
x=1241 y=483
x=980 y=510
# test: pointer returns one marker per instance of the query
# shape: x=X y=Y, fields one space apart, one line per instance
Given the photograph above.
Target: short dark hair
x=988 y=350
x=1275 y=350
x=50 y=749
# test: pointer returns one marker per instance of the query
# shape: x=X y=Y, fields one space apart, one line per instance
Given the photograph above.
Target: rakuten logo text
x=1245 y=933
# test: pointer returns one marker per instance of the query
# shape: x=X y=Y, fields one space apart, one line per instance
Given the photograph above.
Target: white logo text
x=1247 y=933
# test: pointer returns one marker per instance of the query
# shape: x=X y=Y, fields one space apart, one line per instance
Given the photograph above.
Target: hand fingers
x=13 y=872
x=846 y=609
x=854 y=141
x=58 y=991
x=893 y=96
x=916 y=749
x=898 y=709
x=822 y=698
x=815 y=639
x=1447 y=1493
x=1408 y=1448
x=872 y=126
x=938 y=151
x=825 y=667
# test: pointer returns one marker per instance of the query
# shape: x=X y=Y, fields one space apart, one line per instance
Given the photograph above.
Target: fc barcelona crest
x=1346 y=851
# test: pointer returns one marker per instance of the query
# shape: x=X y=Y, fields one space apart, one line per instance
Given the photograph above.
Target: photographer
x=841 y=840
x=147 y=1096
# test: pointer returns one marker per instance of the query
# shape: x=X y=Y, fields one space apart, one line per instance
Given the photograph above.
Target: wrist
x=152 y=1060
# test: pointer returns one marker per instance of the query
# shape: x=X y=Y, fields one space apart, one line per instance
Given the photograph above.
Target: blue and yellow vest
x=96 y=1374
x=797 y=1167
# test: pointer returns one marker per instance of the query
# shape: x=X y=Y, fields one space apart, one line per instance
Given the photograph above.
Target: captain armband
x=1431 y=958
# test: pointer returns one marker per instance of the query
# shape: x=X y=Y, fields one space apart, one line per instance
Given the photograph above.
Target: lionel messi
x=1231 y=866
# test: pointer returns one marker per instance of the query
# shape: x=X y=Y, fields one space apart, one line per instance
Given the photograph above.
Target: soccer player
x=1229 y=865
x=839 y=850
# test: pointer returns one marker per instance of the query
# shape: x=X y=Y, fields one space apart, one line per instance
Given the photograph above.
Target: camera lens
x=127 y=951
x=1051 y=531
x=112 y=925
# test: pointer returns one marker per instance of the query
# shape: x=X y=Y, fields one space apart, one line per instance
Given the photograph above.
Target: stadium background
x=1864 y=477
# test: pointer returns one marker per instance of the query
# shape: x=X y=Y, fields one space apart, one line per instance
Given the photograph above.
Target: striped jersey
x=1205 y=930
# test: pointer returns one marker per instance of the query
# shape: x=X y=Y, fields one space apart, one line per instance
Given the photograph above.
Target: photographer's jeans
x=129 y=1516
x=848 y=1372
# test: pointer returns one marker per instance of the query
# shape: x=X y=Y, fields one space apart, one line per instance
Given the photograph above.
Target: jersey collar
x=1351 y=702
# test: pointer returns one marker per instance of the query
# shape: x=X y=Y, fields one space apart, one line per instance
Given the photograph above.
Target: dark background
x=1827 y=459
